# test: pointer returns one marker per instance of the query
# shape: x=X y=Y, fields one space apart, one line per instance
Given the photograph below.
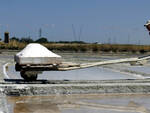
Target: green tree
x=26 y=40
x=42 y=40
x=15 y=38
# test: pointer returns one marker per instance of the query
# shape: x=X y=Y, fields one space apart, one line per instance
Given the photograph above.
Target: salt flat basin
x=35 y=53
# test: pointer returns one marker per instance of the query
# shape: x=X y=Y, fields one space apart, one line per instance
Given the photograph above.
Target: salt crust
x=36 y=50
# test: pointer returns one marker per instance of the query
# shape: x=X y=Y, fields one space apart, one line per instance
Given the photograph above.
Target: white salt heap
x=36 y=50
x=36 y=54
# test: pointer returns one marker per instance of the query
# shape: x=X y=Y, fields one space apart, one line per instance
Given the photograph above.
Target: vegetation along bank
x=76 y=46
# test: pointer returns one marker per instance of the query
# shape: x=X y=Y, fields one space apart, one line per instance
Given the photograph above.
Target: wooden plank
x=86 y=65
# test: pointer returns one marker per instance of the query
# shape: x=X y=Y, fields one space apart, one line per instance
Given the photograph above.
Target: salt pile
x=36 y=54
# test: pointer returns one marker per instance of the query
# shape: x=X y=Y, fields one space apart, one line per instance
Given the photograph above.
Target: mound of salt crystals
x=37 y=54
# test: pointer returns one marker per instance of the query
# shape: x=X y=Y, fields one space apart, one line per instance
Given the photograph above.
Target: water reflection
x=33 y=105
x=80 y=103
x=36 y=108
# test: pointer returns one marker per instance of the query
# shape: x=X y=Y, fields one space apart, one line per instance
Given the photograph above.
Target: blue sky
x=115 y=21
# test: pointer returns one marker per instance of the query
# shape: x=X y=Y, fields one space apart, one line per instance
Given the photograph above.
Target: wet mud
x=80 y=104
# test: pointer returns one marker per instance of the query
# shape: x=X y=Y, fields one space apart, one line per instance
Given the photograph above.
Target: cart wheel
x=28 y=75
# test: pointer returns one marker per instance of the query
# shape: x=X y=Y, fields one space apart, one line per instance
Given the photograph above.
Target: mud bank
x=75 y=88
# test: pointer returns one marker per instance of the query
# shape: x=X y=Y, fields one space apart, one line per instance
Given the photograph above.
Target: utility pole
x=128 y=39
x=109 y=40
x=139 y=42
x=80 y=32
x=0 y=32
x=40 y=33
x=74 y=32
x=114 y=40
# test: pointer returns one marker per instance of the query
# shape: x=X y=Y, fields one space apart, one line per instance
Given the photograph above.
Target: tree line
x=41 y=40
x=29 y=40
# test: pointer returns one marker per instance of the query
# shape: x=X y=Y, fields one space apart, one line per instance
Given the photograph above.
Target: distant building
x=6 y=37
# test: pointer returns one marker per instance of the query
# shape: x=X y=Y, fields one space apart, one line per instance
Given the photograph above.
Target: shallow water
x=144 y=69
x=80 y=104
x=94 y=73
